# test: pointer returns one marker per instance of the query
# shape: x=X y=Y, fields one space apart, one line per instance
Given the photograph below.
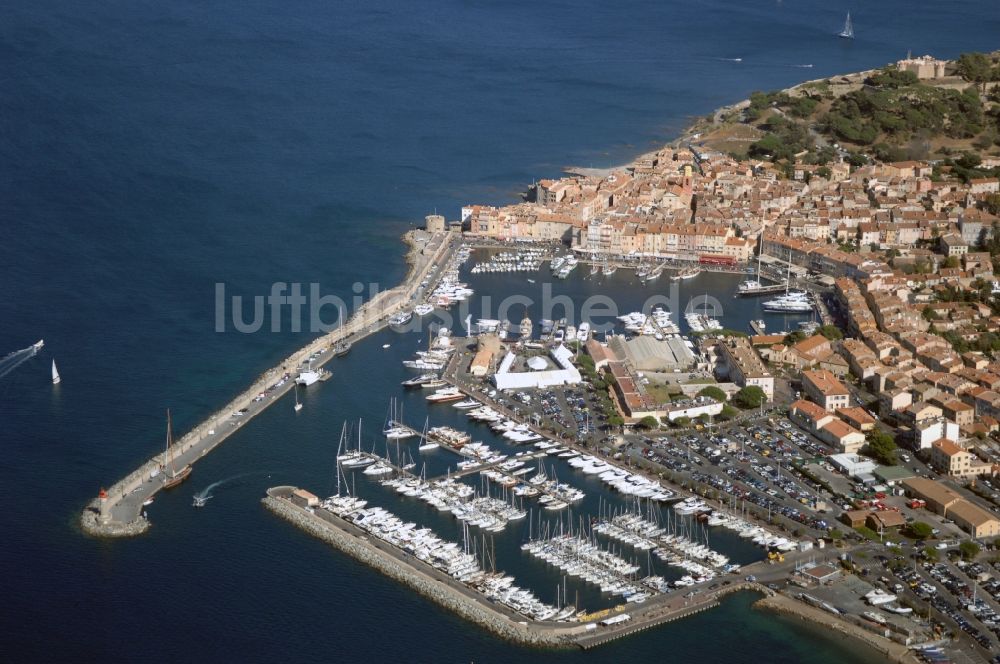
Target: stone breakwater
x=126 y=519
x=434 y=590
x=892 y=651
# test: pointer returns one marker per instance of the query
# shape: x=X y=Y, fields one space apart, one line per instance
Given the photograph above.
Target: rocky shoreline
x=464 y=607
x=892 y=651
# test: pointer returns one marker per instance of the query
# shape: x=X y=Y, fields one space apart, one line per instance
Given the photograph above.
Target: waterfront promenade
x=120 y=511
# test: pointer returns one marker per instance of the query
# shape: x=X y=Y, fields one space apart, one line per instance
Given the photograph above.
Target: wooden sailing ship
x=171 y=476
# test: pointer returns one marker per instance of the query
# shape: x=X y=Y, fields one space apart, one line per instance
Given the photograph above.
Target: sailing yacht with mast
x=56 y=379
x=298 y=404
x=172 y=477
x=848 y=31
x=750 y=286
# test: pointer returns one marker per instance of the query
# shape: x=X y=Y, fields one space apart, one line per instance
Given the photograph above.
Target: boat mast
x=760 y=255
x=167 y=455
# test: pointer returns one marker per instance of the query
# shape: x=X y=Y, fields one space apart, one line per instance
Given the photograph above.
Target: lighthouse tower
x=105 y=514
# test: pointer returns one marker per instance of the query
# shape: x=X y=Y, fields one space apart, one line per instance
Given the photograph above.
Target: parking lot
x=758 y=465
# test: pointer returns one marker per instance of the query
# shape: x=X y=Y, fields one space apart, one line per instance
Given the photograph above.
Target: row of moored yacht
x=525 y=260
x=630 y=484
x=581 y=558
x=448 y=557
x=757 y=534
x=485 y=512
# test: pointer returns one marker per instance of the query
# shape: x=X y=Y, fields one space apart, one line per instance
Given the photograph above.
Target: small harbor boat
x=402 y=318
x=310 y=376
x=445 y=394
x=419 y=380
x=689 y=273
x=434 y=384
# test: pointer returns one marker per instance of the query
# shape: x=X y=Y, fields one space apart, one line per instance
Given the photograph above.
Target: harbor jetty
x=586 y=631
x=118 y=510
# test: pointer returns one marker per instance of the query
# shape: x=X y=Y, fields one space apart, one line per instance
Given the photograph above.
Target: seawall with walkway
x=118 y=512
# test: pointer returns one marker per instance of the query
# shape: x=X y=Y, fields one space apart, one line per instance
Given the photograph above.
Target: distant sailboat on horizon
x=55 y=374
x=848 y=31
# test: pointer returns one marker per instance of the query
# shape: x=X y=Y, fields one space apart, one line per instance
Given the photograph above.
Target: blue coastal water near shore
x=153 y=150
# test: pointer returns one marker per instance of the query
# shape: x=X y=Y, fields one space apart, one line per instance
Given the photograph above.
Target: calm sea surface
x=151 y=150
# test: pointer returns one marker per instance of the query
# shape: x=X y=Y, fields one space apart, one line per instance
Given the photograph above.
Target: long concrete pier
x=118 y=510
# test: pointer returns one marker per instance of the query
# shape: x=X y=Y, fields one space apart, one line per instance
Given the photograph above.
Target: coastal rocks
x=90 y=525
x=449 y=598
x=784 y=605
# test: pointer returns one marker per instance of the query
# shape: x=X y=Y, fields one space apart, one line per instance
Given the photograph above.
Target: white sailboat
x=848 y=31
x=55 y=374
x=298 y=405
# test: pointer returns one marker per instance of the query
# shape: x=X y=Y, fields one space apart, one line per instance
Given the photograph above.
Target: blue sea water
x=152 y=150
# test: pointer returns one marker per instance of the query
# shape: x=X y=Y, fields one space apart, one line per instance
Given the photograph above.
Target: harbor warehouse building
x=645 y=353
x=950 y=504
x=564 y=373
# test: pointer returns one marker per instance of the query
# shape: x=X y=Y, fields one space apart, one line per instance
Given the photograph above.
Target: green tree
x=991 y=203
x=881 y=447
x=750 y=396
x=728 y=412
x=795 y=337
x=951 y=262
x=836 y=534
x=968 y=549
x=920 y=530
x=648 y=422
x=931 y=554
x=893 y=78
x=682 y=421
x=831 y=332
x=714 y=392
x=615 y=420
x=975 y=68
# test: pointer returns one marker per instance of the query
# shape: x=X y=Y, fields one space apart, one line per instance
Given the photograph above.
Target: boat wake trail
x=12 y=361
x=730 y=59
x=206 y=494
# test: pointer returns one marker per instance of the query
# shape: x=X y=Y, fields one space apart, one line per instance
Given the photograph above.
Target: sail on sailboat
x=848 y=31
x=55 y=374
x=171 y=477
